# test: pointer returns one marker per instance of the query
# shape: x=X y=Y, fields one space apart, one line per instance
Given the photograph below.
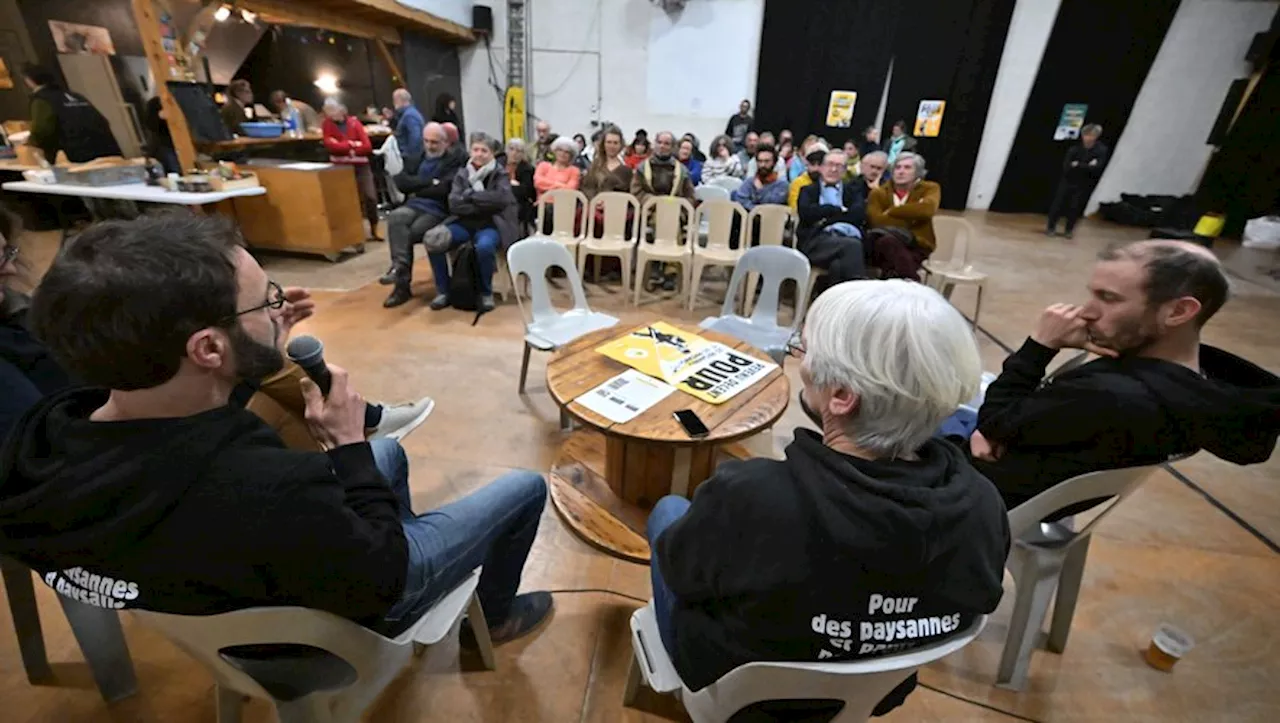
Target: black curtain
x=1099 y=53
x=809 y=48
x=949 y=51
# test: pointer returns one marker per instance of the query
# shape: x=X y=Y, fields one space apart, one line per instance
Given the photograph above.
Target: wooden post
x=144 y=14
x=397 y=79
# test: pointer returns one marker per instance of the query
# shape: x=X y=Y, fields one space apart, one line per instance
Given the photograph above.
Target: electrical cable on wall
x=595 y=19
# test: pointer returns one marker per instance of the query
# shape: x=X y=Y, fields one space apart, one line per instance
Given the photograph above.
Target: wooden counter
x=244 y=143
x=309 y=208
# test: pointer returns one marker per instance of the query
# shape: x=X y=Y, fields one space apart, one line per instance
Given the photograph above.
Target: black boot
x=392 y=274
x=399 y=295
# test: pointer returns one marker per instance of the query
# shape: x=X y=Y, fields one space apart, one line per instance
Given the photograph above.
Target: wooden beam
x=144 y=14
x=296 y=12
x=417 y=19
x=397 y=78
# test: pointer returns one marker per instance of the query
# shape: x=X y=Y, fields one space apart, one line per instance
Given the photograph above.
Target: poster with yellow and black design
x=705 y=369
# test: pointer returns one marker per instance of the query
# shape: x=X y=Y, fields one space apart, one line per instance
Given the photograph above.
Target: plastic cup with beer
x=1169 y=644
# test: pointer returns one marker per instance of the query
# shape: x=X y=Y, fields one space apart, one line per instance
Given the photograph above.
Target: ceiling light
x=327 y=83
x=248 y=16
x=222 y=13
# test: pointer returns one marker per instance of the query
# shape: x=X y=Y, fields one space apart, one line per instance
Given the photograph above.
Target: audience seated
x=871 y=168
x=900 y=142
x=903 y=212
x=764 y=187
x=426 y=204
x=766 y=139
x=721 y=161
x=1156 y=392
x=831 y=218
x=870 y=141
x=520 y=173
x=582 y=153
x=852 y=159
x=813 y=166
x=560 y=172
x=661 y=174
x=685 y=154
x=747 y=153
x=542 y=147
x=408 y=124
x=608 y=172
x=483 y=210
x=696 y=150
x=348 y=144
x=785 y=135
x=796 y=163
x=150 y=478
x=637 y=152
x=871 y=537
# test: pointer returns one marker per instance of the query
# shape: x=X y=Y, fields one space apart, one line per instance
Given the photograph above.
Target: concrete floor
x=1194 y=549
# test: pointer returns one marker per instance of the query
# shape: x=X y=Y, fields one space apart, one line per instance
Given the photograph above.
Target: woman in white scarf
x=483 y=211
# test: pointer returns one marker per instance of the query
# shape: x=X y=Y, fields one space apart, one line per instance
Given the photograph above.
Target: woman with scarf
x=484 y=211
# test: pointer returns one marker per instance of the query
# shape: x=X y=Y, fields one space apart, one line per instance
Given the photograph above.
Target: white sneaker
x=398 y=420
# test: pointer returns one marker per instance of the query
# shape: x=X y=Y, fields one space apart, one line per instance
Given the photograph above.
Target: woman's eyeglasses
x=795 y=346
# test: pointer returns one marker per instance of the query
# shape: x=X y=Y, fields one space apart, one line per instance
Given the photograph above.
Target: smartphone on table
x=693 y=425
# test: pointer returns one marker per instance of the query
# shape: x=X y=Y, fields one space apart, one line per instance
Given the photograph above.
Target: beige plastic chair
x=614 y=240
x=776 y=221
x=565 y=205
x=860 y=684
x=669 y=219
x=313 y=688
x=1051 y=555
x=717 y=217
x=949 y=262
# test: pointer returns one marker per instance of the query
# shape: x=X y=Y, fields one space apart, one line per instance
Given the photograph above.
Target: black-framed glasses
x=795 y=346
x=275 y=300
x=10 y=253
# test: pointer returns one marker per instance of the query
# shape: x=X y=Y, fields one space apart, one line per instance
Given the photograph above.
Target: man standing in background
x=408 y=124
x=65 y=121
x=1081 y=170
x=740 y=124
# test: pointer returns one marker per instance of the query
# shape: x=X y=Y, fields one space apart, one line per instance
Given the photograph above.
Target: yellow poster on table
x=929 y=118
x=840 y=108
x=705 y=369
x=513 y=114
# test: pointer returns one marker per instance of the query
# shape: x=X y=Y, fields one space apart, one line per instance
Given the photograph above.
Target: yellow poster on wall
x=929 y=118
x=513 y=115
x=840 y=108
x=705 y=369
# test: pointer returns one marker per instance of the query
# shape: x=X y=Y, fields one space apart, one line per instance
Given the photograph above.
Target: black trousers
x=841 y=256
x=1069 y=202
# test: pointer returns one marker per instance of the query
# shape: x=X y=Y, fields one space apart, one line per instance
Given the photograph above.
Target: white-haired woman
x=520 y=171
x=348 y=144
x=872 y=535
x=562 y=173
x=721 y=161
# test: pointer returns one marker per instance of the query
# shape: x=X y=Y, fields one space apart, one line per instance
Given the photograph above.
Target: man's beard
x=761 y=172
x=432 y=154
x=1130 y=337
x=664 y=157
x=255 y=360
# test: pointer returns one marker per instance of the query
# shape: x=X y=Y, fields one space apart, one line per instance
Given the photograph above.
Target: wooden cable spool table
x=607 y=476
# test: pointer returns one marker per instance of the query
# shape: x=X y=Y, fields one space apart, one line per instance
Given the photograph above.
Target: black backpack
x=464 y=282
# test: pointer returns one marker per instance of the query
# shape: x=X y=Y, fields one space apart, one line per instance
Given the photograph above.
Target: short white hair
x=903 y=349
x=916 y=159
x=564 y=143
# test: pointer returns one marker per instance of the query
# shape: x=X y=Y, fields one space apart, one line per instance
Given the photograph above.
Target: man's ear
x=1182 y=311
x=844 y=402
x=208 y=349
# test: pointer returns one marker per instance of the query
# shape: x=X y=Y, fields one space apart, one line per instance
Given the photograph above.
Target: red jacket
x=350 y=147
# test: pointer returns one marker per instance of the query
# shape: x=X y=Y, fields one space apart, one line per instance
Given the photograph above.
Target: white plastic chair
x=566 y=205
x=315 y=689
x=775 y=222
x=1051 y=555
x=949 y=262
x=547 y=329
x=762 y=330
x=728 y=183
x=703 y=194
x=860 y=684
x=716 y=218
x=97 y=630
x=615 y=240
x=668 y=218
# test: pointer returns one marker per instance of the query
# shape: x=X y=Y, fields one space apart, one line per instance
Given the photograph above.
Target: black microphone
x=308 y=353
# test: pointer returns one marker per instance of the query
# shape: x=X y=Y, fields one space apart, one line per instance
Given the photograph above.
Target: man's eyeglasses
x=275 y=300
x=8 y=254
x=795 y=346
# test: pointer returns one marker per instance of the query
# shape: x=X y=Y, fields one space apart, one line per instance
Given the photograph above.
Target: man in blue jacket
x=409 y=124
x=832 y=214
x=427 y=191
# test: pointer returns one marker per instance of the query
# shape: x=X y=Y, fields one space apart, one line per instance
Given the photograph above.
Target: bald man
x=542 y=147
x=1155 y=391
x=426 y=189
x=408 y=124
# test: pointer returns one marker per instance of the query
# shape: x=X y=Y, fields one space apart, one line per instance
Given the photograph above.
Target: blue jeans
x=486 y=240
x=493 y=527
x=667 y=511
x=962 y=423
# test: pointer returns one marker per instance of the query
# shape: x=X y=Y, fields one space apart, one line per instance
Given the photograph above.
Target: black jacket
x=798 y=559
x=196 y=515
x=82 y=132
x=1122 y=412
x=431 y=182
x=814 y=215
x=1083 y=173
x=27 y=371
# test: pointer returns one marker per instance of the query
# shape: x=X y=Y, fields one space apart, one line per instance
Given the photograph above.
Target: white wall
x=1163 y=148
x=459 y=11
x=591 y=61
x=1029 y=30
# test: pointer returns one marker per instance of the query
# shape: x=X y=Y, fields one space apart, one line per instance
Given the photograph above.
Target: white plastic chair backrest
x=775 y=264
x=533 y=257
x=667 y=216
x=953 y=235
x=774 y=219
x=861 y=684
x=1117 y=483
x=717 y=218
x=614 y=206
x=728 y=183
x=564 y=204
x=204 y=636
x=711 y=193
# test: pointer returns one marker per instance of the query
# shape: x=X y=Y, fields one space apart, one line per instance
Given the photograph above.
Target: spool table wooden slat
x=607 y=476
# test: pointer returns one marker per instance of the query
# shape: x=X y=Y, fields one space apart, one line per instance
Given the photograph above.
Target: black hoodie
x=1122 y=412
x=824 y=556
x=196 y=515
